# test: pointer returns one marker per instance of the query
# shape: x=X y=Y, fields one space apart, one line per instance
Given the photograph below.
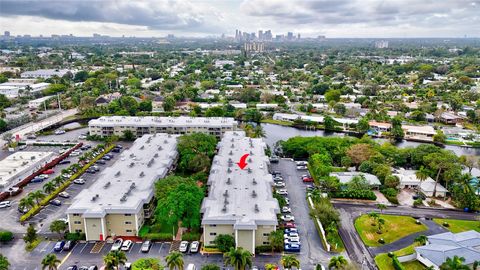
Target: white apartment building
x=116 y=125
x=240 y=202
x=45 y=73
x=121 y=198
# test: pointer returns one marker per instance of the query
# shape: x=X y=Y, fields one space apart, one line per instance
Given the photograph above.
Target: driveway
x=312 y=251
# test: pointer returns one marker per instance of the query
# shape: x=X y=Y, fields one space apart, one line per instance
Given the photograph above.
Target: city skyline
x=149 y=18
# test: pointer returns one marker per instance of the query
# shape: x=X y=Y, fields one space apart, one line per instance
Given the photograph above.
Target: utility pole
x=58 y=99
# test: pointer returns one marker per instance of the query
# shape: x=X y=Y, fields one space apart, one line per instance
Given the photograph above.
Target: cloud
x=154 y=14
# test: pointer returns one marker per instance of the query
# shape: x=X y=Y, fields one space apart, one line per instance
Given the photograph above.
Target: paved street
x=312 y=251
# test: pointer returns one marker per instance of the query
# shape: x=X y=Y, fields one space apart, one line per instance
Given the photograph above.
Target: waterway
x=275 y=133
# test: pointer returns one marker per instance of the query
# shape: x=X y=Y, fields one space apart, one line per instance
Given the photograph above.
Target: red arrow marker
x=242 y=164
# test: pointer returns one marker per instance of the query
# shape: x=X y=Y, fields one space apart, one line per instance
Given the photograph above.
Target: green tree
x=397 y=131
x=381 y=207
x=37 y=195
x=276 y=240
x=147 y=264
x=169 y=104
x=215 y=112
x=238 y=258
x=333 y=95
x=114 y=259
x=31 y=234
x=195 y=152
x=4 y=263
x=455 y=263
x=359 y=153
x=337 y=262
x=128 y=135
x=58 y=226
x=49 y=187
x=290 y=261
x=26 y=203
x=50 y=262
x=224 y=242
x=362 y=125
x=374 y=216
x=182 y=204
x=3 y=125
x=439 y=137
x=421 y=239
x=5 y=236
x=329 y=123
x=174 y=260
x=4 y=102
x=210 y=266
x=441 y=162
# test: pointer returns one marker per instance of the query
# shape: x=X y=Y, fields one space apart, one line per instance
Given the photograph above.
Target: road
x=37 y=126
x=354 y=245
x=312 y=251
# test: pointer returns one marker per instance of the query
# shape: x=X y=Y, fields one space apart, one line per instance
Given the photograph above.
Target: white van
x=5 y=204
x=191 y=267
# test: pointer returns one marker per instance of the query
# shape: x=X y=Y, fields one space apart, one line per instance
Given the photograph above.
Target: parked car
x=127 y=245
x=292 y=241
x=307 y=178
x=291 y=230
x=5 y=204
x=44 y=176
x=22 y=147
x=287 y=218
x=37 y=179
x=56 y=202
x=65 y=162
x=287 y=201
x=191 y=266
x=82 y=137
x=69 y=245
x=278 y=178
x=101 y=162
x=282 y=191
x=290 y=247
x=286 y=209
x=146 y=246
x=274 y=159
x=96 y=168
x=49 y=171
x=106 y=157
x=72 y=267
x=194 y=247
x=116 y=150
x=289 y=225
x=419 y=196
x=31 y=137
x=91 y=170
x=301 y=167
x=23 y=210
x=93 y=267
x=79 y=181
x=64 y=194
x=301 y=163
x=183 y=246
x=291 y=235
x=59 y=132
x=117 y=244
x=279 y=184
x=59 y=246
x=276 y=173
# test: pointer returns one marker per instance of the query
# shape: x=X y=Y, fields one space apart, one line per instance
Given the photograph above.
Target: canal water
x=275 y=133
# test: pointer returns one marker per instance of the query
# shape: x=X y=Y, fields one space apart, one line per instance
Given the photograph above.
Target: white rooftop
x=19 y=163
x=346 y=177
x=242 y=198
x=162 y=121
x=129 y=182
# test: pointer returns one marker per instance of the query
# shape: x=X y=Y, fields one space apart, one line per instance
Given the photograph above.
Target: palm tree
x=454 y=264
x=276 y=240
x=238 y=258
x=114 y=259
x=475 y=265
x=464 y=182
x=50 y=262
x=258 y=132
x=37 y=195
x=380 y=224
x=422 y=174
x=58 y=181
x=421 y=239
x=337 y=262
x=374 y=216
x=289 y=261
x=49 y=187
x=26 y=202
x=381 y=207
x=174 y=260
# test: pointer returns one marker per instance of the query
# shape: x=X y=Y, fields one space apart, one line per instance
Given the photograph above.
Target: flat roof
x=162 y=121
x=19 y=163
x=126 y=185
x=242 y=198
x=346 y=177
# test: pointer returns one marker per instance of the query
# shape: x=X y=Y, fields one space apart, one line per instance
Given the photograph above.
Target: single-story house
x=447 y=245
x=450 y=118
x=346 y=177
x=408 y=179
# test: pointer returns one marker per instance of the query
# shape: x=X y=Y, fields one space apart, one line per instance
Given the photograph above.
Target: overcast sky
x=333 y=18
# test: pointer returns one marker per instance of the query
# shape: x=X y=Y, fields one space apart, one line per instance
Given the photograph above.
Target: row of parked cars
x=185 y=247
x=291 y=236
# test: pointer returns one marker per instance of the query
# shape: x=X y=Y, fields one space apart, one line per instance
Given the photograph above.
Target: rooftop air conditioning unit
x=254 y=194
x=256 y=208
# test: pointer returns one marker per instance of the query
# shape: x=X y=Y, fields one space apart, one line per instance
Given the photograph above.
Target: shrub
x=224 y=242
x=5 y=236
x=263 y=249
x=417 y=202
x=355 y=194
x=159 y=236
x=390 y=194
x=381 y=241
x=75 y=236
x=445 y=224
x=191 y=236
x=396 y=264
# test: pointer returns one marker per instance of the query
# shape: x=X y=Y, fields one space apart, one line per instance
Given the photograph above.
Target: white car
x=282 y=191
x=117 y=244
x=286 y=209
x=44 y=176
x=301 y=163
x=82 y=137
x=287 y=201
x=194 y=247
x=287 y=218
x=279 y=184
x=59 y=132
x=291 y=235
x=79 y=181
x=127 y=245
x=183 y=246
x=292 y=241
x=301 y=167
x=5 y=204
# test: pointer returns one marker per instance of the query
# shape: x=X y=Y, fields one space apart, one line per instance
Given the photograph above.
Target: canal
x=275 y=133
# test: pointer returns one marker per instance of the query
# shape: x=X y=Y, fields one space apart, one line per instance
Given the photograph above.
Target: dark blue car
x=37 y=179
x=59 y=246
x=292 y=248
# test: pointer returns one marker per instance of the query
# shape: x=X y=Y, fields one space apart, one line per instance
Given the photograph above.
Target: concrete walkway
x=433 y=228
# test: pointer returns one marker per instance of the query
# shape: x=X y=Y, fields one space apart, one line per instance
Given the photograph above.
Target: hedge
x=5 y=236
x=62 y=187
x=390 y=194
x=75 y=236
x=191 y=236
x=158 y=236
x=355 y=194
x=397 y=264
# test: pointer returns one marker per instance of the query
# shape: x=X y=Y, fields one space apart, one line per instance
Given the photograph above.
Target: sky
x=310 y=18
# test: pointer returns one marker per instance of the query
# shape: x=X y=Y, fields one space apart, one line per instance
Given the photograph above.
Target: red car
x=49 y=171
x=307 y=179
x=289 y=225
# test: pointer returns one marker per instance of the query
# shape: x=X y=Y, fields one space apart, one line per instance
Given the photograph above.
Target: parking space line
x=160 y=249
x=86 y=244
x=130 y=250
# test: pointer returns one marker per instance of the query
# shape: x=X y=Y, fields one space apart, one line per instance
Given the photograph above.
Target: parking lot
x=312 y=251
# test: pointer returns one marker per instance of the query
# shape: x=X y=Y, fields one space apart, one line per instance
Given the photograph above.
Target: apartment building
x=116 y=125
x=240 y=202
x=122 y=197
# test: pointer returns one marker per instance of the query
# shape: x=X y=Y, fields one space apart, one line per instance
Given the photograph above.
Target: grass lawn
x=385 y=263
x=277 y=122
x=157 y=228
x=395 y=227
x=457 y=225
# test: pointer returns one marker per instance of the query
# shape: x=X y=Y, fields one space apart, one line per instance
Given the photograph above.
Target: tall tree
x=455 y=263
x=289 y=261
x=50 y=262
x=276 y=240
x=114 y=259
x=238 y=258
x=337 y=262
x=358 y=153
x=4 y=263
x=174 y=260
x=440 y=162
x=58 y=226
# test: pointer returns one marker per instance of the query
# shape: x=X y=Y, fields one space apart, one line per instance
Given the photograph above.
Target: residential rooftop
x=242 y=198
x=346 y=177
x=128 y=184
x=19 y=163
x=148 y=121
